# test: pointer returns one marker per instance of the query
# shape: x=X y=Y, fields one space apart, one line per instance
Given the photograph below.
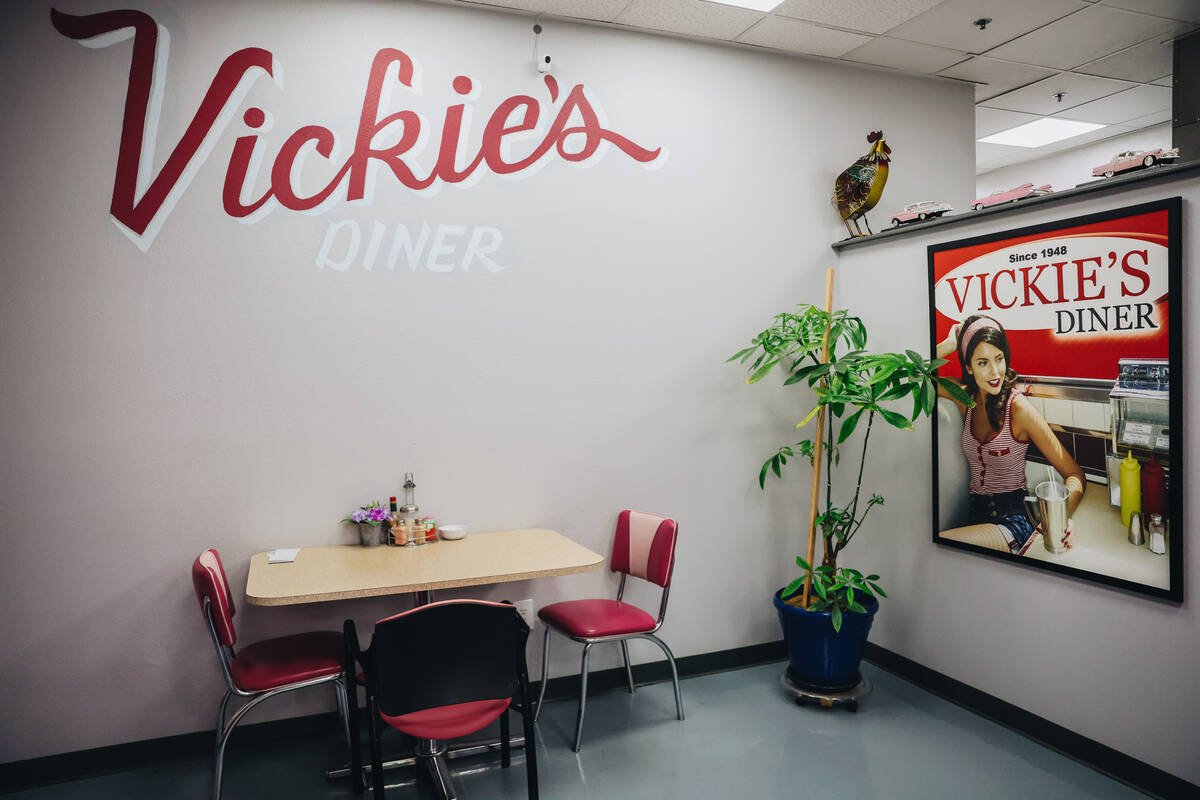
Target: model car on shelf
x=1011 y=195
x=1136 y=159
x=926 y=209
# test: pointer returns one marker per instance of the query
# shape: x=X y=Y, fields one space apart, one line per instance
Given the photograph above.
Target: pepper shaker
x=1137 y=536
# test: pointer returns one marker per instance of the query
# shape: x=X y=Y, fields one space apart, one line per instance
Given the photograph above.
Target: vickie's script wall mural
x=520 y=136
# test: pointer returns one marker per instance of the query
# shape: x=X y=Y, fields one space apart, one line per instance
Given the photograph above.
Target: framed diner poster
x=1066 y=339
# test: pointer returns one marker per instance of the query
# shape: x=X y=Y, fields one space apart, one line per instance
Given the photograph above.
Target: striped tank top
x=997 y=465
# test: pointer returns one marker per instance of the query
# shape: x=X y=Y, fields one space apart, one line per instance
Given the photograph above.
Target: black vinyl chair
x=439 y=672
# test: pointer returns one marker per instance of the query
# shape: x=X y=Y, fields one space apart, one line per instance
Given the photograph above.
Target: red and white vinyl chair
x=263 y=669
x=644 y=547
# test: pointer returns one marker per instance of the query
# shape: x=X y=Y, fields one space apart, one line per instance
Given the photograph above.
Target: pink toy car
x=1136 y=159
x=921 y=211
x=1011 y=195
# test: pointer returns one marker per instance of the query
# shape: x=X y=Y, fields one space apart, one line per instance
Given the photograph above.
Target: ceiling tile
x=994 y=120
x=1038 y=98
x=795 y=36
x=856 y=15
x=1157 y=118
x=689 y=17
x=1129 y=104
x=1186 y=10
x=899 y=54
x=995 y=77
x=1085 y=36
x=1166 y=80
x=949 y=24
x=605 y=10
x=1142 y=63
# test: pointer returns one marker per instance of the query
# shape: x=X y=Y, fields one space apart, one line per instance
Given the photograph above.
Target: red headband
x=972 y=329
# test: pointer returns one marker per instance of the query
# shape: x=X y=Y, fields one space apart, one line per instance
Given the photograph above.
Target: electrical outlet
x=525 y=609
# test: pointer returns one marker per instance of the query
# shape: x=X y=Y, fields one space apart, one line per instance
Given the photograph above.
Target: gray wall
x=1115 y=667
x=219 y=389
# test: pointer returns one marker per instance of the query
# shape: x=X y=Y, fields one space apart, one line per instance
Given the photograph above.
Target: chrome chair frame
x=225 y=728
x=588 y=641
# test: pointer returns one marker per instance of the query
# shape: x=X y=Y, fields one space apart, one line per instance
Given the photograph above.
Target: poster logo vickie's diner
x=518 y=137
x=1073 y=300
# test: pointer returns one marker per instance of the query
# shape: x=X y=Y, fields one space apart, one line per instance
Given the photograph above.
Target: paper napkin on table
x=282 y=555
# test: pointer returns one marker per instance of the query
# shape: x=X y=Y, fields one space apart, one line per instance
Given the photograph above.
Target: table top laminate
x=342 y=572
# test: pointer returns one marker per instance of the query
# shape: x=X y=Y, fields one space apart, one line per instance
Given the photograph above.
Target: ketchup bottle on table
x=1154 y=494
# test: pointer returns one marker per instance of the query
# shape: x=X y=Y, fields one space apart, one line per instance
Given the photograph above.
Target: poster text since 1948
x=142 y=199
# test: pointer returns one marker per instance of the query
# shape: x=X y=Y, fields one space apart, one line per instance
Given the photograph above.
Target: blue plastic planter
x=819 y=657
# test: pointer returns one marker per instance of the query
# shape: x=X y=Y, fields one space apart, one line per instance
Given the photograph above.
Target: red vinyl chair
x=263 y=669
x=439 y=672
x=644 y=546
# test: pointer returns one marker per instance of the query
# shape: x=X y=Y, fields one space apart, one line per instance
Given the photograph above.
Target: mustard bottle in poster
x=1131 y=487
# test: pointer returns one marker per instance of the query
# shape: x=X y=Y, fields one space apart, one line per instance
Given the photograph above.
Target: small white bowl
x=452 y=532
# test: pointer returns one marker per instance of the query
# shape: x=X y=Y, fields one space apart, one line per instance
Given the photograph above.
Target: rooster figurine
x=857 y=190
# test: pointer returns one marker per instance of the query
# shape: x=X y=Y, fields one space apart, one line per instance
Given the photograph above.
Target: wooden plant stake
x=816 y=479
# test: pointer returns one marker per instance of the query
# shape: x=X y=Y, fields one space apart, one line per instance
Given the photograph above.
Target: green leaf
x=895 y=419
x=775 y=466
x=850 y=597
x=741 y=354
x=856 y=607
x=762 y=475
x=956 y=391
x=928 y=396
x=915 y=357
x=836 y=618
x=762 y=371
x=878 y=590
x=808 y=419
x=792 y=588
x=821 y=590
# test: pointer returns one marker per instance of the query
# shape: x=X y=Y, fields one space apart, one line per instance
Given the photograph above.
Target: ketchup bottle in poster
x=1154 y=495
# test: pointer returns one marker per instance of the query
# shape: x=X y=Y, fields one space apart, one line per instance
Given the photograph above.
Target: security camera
x=543 y=64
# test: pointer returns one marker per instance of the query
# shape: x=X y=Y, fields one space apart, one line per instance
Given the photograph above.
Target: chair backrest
x=454 y=651
x=644 y=546
x=208 y=576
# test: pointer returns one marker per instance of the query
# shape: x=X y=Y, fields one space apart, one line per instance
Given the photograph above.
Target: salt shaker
x=1136 y=535
x=1158 y=535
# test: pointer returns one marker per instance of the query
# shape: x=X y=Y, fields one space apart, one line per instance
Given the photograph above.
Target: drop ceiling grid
x=1111 y=58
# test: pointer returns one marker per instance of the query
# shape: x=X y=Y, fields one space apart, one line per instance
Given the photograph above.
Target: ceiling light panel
x=605 y=10
x=753 y=5
x=1091 y=34
x=1041 y=132
x=689 y=17
x=870 y=16
x=795 y=36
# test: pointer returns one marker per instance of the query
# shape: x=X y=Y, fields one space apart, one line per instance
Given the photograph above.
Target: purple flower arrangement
x=372 y=514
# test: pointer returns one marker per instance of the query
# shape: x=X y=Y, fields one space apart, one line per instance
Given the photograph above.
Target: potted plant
x=854 y=388
x=373 y=520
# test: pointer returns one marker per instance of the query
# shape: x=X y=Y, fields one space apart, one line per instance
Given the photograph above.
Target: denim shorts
x=1006 y=509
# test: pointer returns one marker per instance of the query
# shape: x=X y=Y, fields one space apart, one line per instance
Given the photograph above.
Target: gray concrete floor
x=742 y=738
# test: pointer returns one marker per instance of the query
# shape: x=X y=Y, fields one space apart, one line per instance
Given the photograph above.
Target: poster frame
x=1173 y=208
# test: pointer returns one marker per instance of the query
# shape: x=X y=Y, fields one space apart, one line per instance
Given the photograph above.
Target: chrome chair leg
x=628 y=669
x=583 y=678
x=545 y=673
x=441 y=775
x=674 y=672
x=339 y=692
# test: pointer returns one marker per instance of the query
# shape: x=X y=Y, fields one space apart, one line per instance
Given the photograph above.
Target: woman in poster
x=996 y=434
